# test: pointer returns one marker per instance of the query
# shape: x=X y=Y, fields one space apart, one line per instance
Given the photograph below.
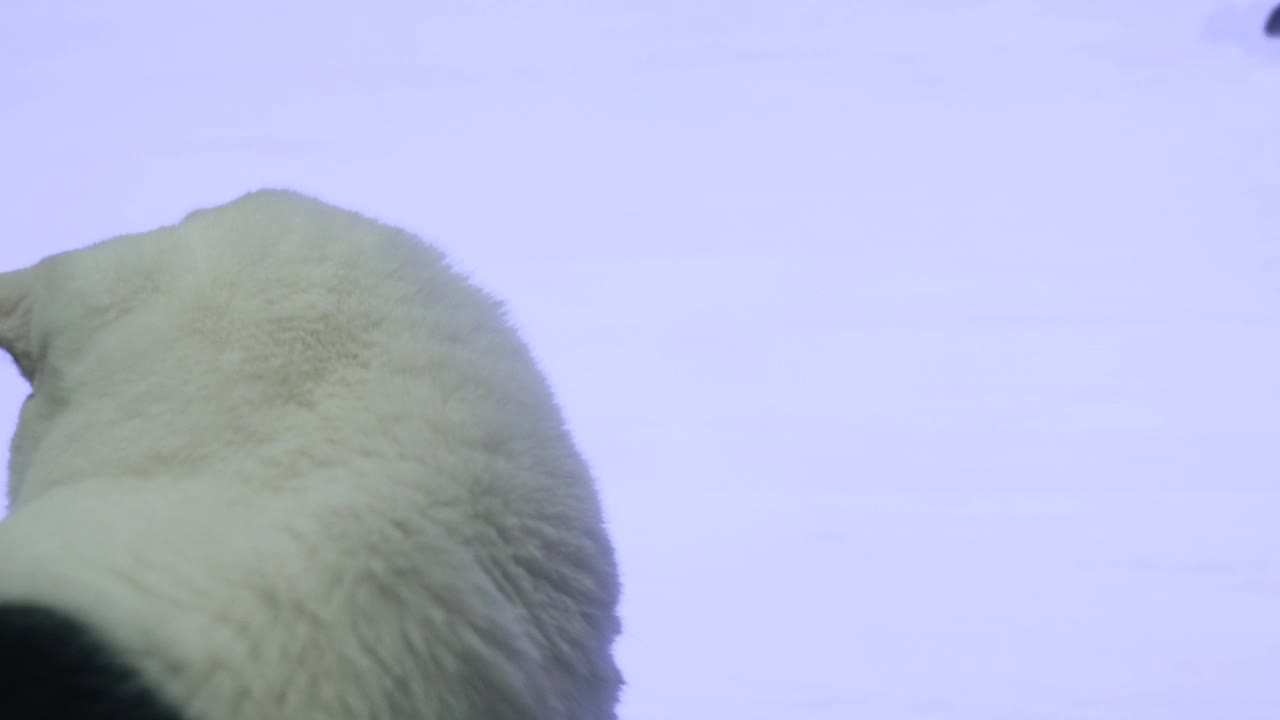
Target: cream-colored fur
x=293 y=467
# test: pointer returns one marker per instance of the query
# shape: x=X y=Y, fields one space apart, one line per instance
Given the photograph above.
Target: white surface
x=927 y=353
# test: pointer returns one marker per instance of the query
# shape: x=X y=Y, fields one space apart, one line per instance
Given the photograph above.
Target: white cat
x=280 y=462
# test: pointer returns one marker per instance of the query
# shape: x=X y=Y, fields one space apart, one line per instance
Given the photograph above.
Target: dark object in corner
x=52 y=666
x=1273 y=23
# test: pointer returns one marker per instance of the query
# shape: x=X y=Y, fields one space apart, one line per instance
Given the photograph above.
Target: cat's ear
x=15 y=318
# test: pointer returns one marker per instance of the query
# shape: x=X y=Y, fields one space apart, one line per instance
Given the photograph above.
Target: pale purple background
x=928 y=353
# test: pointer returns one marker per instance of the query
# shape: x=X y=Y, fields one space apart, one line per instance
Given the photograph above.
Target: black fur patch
x=1273 y=23
x=52 y=667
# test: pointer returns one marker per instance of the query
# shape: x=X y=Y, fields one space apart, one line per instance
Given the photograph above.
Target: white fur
x=292 y=466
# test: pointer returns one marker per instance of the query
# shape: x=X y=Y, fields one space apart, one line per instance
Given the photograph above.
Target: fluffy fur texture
x=286 y=464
